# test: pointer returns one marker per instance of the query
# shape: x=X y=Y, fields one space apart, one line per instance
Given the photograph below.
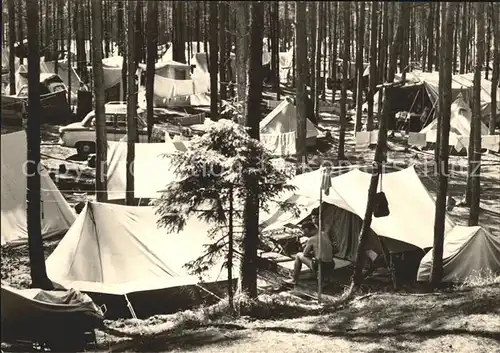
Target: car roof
x=119 y=108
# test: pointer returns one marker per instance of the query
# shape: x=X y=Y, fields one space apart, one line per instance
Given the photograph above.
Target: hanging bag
x=380 y=204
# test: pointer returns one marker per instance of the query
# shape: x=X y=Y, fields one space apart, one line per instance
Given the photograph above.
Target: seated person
x=310 y=256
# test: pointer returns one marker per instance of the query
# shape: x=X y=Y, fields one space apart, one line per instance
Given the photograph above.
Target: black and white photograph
x=250 y=176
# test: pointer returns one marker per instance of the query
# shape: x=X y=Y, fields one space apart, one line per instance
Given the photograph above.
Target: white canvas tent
x=278 y=129
x=468 y=251
x=152 y=171
x=460 y=126
x=409 y=226
x=460 y=122
x=117 y=250
x=57 y=215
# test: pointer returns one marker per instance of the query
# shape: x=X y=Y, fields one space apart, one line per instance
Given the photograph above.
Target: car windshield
x=58 y=87
x=110 y=120
x=23 y=92
x=88 y=119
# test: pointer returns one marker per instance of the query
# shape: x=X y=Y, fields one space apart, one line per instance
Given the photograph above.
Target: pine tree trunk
x=55 y=30
x=301 y=78
x=488 y=42
x=312 y=46
x=324 y=53
x=495 y=23
x=197 y=29
x=430 y=37
x=139 y=45
x=179 y=47
x=380 y=151
x=107 y=33
x=12 y=40
x=455 y=40
x=345 y=79
x=242 y=43
x=213 y=60
x=276 y=48
x=396 y=45
x=335 y=48
x=122 y=45
x=382 y=63
x=463 y=39
x=222 y=52
x=20 y=26
x=353 y=81
x=152 y=44
x=359 y=65
x=48 y=30
x=251 y=203
x=100 y=118
x=391 y=14
x=445 y=100
x=39 y=277
x=69 y=32
x=373 y=64
x=317 y=60
x=80 y=42
x=437 y=31
x=131 y=104
x=476 y=114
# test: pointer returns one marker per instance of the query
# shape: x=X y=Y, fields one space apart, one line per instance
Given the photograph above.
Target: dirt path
x=462 y=321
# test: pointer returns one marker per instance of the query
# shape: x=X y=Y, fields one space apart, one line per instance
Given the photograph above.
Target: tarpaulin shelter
x=174 y=86
x=278 y=129
x=467 y=252
x=56 y=215
x=118 y=251
x=56 y=318
x=408 y=227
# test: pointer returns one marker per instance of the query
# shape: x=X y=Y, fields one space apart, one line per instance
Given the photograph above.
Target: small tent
x=152 y=170
x=118 y=251
x=278 y=129
x=409 y=226
x=57 y=216
x=460 y=123
x=468 y=251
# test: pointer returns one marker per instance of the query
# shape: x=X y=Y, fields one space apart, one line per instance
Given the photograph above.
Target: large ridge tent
x=119 y=250
x=460 y=84
x=278 y=129
x=57 y=215
x=409 y=226
x=421 y=90
x=152 y=170
x=467 y=252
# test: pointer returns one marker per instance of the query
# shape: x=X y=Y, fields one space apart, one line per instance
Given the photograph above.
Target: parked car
x=82 y=135
x=53 y=101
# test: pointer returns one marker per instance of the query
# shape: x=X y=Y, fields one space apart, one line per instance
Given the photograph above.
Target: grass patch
x=479 y=279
